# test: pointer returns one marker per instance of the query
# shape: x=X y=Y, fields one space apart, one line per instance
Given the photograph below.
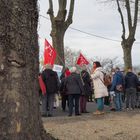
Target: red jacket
x=67 y=73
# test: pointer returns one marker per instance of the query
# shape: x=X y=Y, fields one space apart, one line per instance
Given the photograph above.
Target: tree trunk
x=60 y=23
x=58 y=43
x=19 y=66
x=127 y=47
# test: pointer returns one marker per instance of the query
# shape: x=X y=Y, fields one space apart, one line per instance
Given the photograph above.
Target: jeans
x=73 y=102
x=50 y=100
x=100 y=104
x=118 y=101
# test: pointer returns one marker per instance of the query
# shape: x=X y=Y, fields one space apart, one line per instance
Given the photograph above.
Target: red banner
x=49 y=53
x=82 y=60
x=42 y=85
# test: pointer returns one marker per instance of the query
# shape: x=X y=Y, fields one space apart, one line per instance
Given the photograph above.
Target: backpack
x=107 y=80
x=51 y=82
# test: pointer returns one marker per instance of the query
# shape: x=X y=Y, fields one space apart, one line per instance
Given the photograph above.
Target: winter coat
x=51 y=81
x=131 y=80
x=73 y=84
x=100 y=90
x=86 y=83
x=138 y=87
x=118 y=79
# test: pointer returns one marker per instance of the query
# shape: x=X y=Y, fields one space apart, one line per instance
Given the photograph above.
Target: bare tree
x=108 y=63
x=129 y=12
x=70 y=56
x=128 y=35
x=60 y=23
x=20 y=117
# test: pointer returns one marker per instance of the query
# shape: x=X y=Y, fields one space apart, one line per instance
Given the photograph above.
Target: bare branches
x=70 y=15
x=62 y=10
x=128 y=14
x=62 y=4
x=50 y=10
x=136 y=14
x=122 y=19
x=61 y=15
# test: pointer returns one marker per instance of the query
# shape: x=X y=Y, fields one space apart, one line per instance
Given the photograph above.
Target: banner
x=49 y=53
x=57 y=68
x=82 y=60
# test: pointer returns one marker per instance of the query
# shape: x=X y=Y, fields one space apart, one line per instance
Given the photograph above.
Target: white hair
x=48 y=66
x=73 y=69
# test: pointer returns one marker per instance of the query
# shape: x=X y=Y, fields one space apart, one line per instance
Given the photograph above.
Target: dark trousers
x=73 y=102
x=130 y=97
x=64 y=101
x=138 y=99
x=83 y=103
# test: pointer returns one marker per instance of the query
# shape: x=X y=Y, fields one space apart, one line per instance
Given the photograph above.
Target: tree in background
x=60 y=23
x=70 y=57
x=128 y=20
x=108 y=63
x=20 y=117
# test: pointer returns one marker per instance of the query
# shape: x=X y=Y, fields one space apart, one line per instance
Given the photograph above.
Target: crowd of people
x=117 y=90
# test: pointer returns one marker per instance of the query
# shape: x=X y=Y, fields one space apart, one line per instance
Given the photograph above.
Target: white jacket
x=100 y=90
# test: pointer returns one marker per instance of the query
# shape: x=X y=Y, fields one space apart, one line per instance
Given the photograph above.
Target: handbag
x=119 y=88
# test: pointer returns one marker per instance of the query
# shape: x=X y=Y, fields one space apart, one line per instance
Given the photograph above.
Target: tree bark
x=58 y=43
x=19 y=66
x=127 y=56
x=60 y=23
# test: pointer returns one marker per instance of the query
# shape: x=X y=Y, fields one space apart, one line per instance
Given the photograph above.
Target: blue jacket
x=117 y=80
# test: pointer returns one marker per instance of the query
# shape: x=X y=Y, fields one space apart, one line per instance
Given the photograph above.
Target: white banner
x=57 y=68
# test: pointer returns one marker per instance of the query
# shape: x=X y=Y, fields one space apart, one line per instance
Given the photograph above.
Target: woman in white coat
x=100 y=90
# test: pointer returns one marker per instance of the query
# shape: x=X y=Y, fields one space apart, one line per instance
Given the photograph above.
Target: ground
x=110 y=126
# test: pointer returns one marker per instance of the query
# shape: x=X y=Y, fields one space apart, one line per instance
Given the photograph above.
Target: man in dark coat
x=131 y=82
x=51 y=81
x=74 y=89
x=138 y=93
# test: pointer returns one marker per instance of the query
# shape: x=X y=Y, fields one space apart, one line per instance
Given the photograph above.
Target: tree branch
x=50 y=10
x=136 y=15
x=128 y=14
x=62 y=10
x=70 y=15
x=122 y=19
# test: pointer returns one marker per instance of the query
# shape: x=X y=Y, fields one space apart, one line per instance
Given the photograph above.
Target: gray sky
x=95 y=18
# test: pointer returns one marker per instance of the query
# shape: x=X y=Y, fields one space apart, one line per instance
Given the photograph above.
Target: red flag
x=49 y=53
x=42 y=85
x=82 y=60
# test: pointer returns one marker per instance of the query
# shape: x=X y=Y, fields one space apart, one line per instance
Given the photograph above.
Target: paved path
x=91 y=107
x=110 y=126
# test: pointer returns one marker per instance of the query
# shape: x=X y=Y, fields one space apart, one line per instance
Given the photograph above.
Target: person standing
x=64 y=96
x=100 y=90
x=86 y=81
x=74 y=88
x=131 y=82
x=112 y=94
x=138 y=93
x=117 y=87
x=50 y=79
